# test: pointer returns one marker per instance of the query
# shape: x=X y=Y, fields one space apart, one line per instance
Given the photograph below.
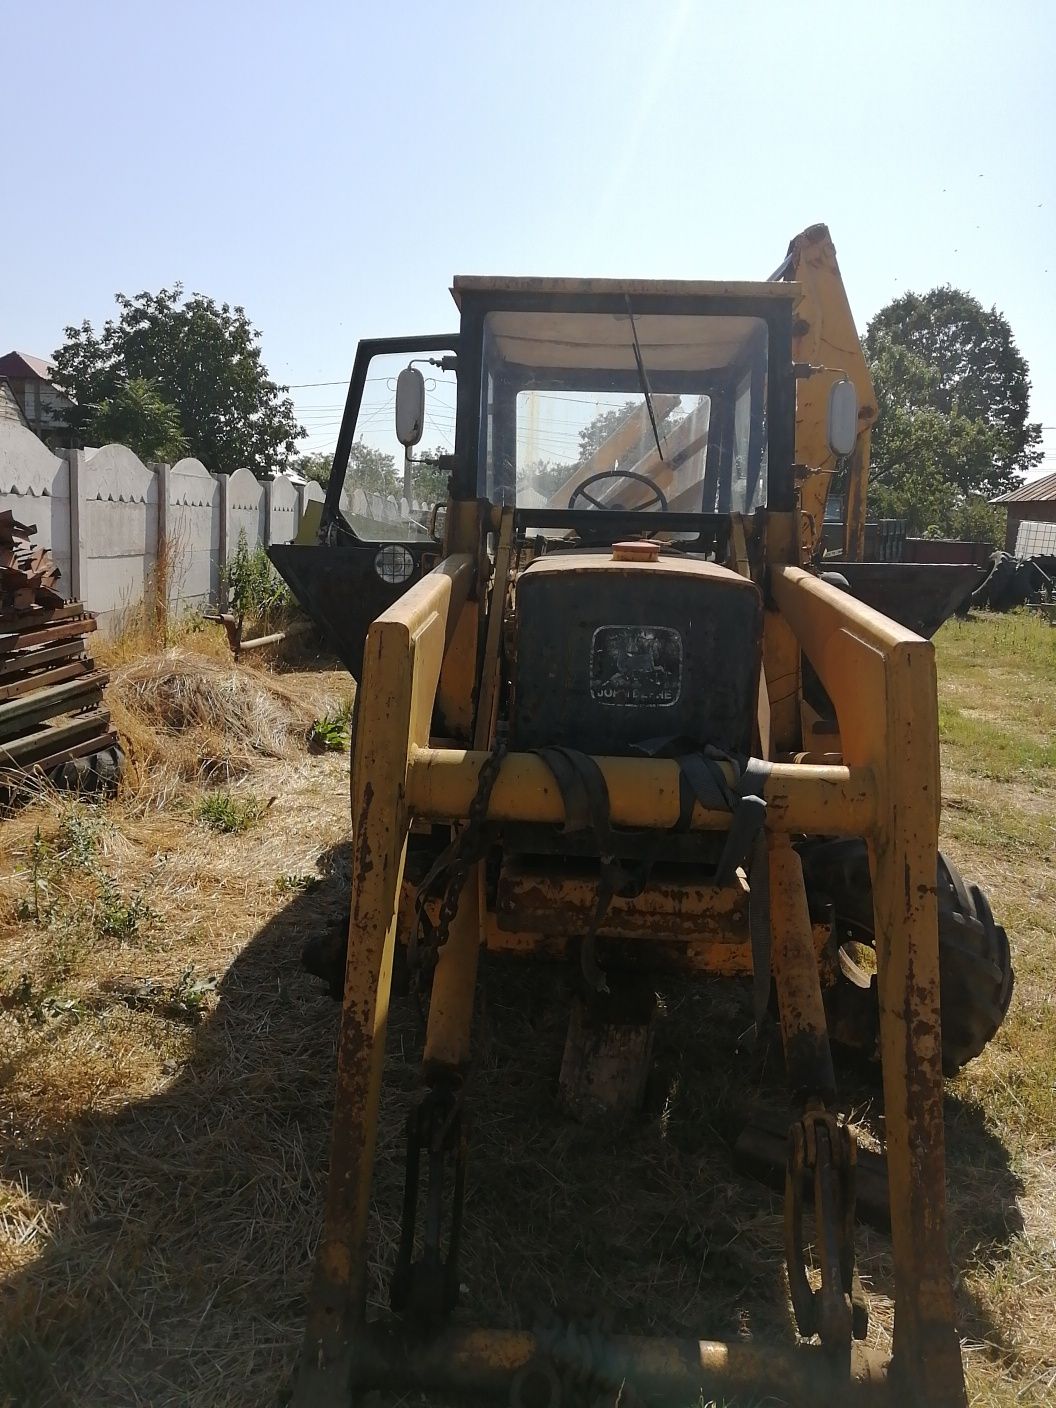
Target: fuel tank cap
x=640 y=550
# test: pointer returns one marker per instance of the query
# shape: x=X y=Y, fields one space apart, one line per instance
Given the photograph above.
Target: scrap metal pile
x=1014 y=581
x=51 y=722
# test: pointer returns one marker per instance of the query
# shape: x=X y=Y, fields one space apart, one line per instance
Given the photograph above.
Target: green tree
x=136 y=415
x=596 y=432
x=376 y=472
x=953 y=395
x=204 y=359
x=547 y=476
x=428 y=479
x=371 y=470
x=315 y=465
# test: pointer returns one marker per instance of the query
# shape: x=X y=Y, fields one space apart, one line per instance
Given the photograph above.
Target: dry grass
x=164 y=1139
x=189 y=713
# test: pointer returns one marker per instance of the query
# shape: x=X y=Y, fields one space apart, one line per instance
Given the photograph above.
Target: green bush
x=332 y=732
x=254 y=588
x=223 y=811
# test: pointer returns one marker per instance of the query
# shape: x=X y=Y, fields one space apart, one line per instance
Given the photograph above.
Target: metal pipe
x=643 y=792
x=486 y=1362
x=258 y=641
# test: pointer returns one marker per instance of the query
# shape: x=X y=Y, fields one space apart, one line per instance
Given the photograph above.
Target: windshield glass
x=642 y=411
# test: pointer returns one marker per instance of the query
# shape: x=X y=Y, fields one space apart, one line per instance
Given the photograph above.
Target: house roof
x=22 y=364
x=10 y=410
x=1037 y=491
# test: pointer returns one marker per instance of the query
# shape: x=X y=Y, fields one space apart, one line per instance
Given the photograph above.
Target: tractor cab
x=598 y=410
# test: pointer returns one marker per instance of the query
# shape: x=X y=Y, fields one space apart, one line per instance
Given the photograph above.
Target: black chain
x=453 y=864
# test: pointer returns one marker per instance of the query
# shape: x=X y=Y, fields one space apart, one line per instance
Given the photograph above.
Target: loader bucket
x=341 y=588
x=918 y=595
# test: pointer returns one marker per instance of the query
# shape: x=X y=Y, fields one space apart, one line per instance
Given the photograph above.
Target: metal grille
x=1036 y=539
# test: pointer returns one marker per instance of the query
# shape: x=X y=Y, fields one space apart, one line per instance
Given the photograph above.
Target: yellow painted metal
x=401 y=667
x=563 y=901
x=881 y=679
x=423 y=669
x=780 y=647
x=447 y=1036
x=489 y=671
x=457 y=691
x=308 y=529
x=643 y=792
x=484 y=1362
x=742 y=564
x=793 y=956
x=825 y=336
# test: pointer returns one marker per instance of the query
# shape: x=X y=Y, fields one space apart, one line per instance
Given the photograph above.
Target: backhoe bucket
x=918 y=595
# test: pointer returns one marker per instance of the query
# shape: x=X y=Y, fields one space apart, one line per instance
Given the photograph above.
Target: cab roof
x=656 y=288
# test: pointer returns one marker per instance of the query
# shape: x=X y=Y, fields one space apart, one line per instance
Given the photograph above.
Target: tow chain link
x=468 y=845
x=426 y=1290
x=823 y=1150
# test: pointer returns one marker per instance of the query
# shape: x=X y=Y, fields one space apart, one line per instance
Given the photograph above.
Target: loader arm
x=886 y=790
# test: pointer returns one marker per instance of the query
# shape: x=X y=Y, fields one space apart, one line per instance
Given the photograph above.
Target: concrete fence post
x=163 y=471
x=78 y=513
x=225 y=535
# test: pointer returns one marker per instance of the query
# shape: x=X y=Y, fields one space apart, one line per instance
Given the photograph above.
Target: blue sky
x=331 y=165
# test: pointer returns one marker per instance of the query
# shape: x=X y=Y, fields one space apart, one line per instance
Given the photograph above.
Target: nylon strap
x=586 y=800
x=701 y=779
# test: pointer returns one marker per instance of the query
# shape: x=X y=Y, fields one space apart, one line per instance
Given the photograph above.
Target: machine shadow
x=182 y=1227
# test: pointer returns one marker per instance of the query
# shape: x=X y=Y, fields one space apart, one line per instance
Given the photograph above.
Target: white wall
x=103 y=512
x=194 y=532
x=119 y=543
x=35 y=486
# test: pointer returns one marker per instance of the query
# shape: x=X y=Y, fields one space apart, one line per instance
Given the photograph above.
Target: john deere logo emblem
x=634 y=667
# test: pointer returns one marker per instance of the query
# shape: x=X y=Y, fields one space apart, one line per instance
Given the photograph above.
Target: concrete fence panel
x=194 y=534
x=104 y=514
x=119 y=529
x=35 y=486
x=247 y=510
x=284 y=506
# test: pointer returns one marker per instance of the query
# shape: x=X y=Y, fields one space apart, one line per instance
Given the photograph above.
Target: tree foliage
x=953 y=395
x=376 y=472
x=546 y=476
x=314 y=465
x=136 y=415
x=202 y=357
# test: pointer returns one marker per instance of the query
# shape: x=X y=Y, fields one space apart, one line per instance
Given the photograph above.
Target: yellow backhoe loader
x=612 y=713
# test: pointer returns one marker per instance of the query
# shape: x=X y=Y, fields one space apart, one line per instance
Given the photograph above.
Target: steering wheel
x=581 y=490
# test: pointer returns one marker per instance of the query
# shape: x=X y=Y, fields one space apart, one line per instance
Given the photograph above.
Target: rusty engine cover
x=611 y=653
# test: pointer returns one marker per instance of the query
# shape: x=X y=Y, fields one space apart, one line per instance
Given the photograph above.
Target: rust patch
x=364 y=859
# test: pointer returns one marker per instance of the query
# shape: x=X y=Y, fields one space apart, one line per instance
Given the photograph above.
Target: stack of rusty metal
x=51 y=719
x=27 y=572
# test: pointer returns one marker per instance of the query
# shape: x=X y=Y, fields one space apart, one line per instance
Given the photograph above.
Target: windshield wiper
x=643 y=378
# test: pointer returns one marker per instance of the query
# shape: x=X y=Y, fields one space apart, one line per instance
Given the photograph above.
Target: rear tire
x=975 y=964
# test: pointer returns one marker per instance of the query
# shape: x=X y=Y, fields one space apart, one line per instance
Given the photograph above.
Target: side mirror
x=410 y=407
x=843 y=417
